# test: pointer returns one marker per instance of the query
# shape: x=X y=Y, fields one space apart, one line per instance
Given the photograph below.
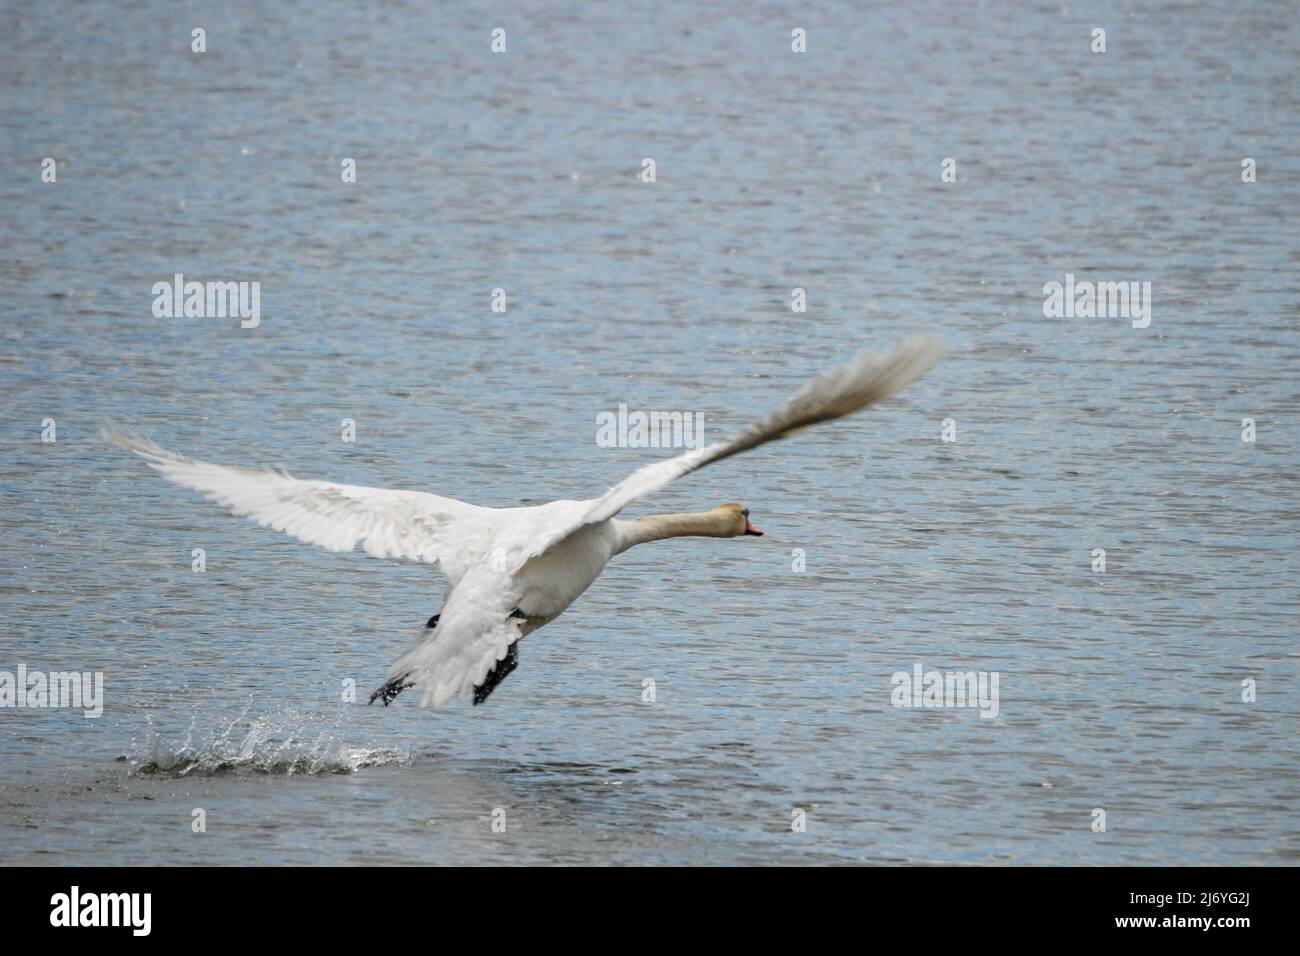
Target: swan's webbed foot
x=391 y=689
x=499 y=672
x=399 y=684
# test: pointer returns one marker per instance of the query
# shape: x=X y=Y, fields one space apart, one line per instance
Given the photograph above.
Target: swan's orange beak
x=750 y=529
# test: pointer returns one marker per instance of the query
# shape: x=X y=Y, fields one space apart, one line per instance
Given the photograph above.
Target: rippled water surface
x=775 y=170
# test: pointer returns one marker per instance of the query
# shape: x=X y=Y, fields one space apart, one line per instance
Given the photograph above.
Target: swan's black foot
x=391 y=689
x=433 y=621
x=500 y=671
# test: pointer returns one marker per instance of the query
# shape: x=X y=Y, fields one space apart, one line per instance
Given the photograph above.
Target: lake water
x=1120 y=691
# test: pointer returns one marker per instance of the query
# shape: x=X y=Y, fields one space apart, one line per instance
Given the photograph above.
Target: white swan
x=512 y=570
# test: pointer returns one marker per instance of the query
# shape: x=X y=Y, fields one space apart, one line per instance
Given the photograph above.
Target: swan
x=513 y=570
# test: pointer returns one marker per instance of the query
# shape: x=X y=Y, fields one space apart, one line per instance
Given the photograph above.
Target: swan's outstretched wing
x=389 y=524
x=840 y=391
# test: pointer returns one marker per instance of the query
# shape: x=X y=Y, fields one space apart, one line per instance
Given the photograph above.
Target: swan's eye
x=745 y=512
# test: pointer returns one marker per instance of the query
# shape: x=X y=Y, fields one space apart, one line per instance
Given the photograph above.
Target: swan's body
x=513 y=570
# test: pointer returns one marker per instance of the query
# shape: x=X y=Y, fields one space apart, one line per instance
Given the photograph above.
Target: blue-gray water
x=775 y=170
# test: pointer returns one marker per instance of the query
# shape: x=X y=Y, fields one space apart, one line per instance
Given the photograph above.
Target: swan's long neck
x=705 y=524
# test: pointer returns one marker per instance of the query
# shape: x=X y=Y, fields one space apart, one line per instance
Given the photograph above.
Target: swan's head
x=739 y=515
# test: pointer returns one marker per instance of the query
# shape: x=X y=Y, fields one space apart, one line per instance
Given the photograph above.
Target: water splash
x=286 y=741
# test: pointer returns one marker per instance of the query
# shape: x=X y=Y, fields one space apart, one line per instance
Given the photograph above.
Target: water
x=1119 y=691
